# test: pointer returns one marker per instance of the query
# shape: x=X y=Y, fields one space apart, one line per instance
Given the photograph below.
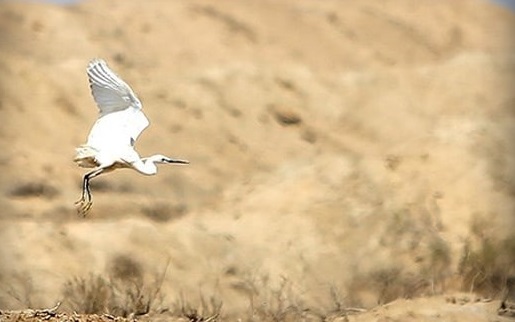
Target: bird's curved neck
x=146 y=166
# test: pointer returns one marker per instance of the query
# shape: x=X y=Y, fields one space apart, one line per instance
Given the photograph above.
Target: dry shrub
x=124 y=293
x=284 y=303
x=437 y=270
x=411 y=238
x=487 y=260
x=89 y=295
x=207 y=310
x=392 y=283
x=277 y=304
x=486 y=268
x=18 y=287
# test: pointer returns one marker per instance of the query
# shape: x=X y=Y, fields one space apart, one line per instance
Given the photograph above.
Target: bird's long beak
x=178 y=161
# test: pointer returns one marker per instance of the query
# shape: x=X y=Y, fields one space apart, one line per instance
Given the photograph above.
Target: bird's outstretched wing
x=121 y=117
x=110 y=92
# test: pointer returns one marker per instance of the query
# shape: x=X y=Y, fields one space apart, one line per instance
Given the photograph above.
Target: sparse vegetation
x=486 y=268
x=97 y=295
x=22 y=293
x=339 y=151
x=487 y=261
x=127 y=296
x=208 y=310
x=125 y=293
x=439 y=263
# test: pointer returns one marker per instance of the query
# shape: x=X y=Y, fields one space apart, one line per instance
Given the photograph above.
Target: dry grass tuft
x=125 y=293
x=285 y=303
x=208 y=309
x=486 y=269
x=487 y=265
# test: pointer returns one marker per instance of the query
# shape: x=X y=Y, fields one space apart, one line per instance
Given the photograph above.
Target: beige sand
x=334 y=145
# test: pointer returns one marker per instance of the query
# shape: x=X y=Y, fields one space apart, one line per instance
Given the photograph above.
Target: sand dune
x=354 y=146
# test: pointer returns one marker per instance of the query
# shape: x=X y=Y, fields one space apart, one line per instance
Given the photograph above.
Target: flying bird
x=111 y=140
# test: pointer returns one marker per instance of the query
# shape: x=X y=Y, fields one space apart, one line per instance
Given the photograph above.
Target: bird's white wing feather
x=121 y=118
x=110 y=92
x=117 y=130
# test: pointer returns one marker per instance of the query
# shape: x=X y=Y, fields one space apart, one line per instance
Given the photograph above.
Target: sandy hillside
x=343 y=154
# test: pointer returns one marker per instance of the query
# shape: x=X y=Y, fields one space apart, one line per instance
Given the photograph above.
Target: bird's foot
x=83 y=206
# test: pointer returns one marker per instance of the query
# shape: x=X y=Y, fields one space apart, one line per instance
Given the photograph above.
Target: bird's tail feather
x=85 y=156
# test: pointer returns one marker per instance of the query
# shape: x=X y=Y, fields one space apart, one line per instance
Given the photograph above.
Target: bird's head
x=148 y=166
x=159 y=158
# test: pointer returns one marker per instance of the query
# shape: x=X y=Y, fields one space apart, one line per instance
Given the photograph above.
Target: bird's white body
x=110 y=143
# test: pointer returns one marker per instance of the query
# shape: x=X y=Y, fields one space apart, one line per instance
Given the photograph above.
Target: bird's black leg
x=84 y=203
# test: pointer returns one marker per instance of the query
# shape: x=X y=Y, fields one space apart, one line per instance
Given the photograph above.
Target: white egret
x=111 y=140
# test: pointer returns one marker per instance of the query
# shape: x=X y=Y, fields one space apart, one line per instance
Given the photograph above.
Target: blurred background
x=341 y=151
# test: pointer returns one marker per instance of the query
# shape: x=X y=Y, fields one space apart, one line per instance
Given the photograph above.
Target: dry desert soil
x=350 y=161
